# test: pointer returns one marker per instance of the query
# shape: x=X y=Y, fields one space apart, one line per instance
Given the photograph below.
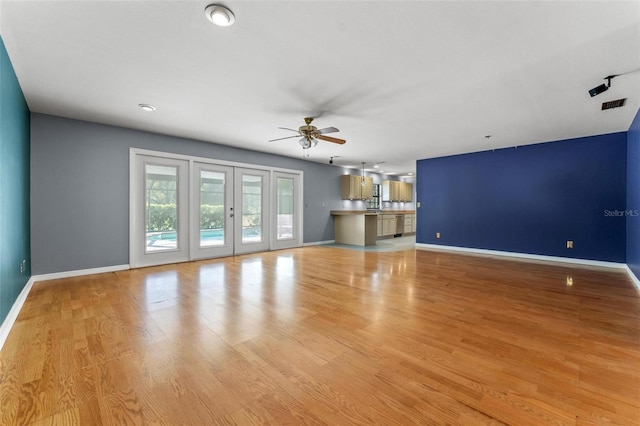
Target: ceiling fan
x=309 y=134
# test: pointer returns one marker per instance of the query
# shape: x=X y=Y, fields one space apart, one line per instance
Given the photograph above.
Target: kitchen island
x=356 y=227
x=364 y=227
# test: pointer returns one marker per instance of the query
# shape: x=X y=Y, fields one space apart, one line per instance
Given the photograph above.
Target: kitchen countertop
x=353 y=212
x=369 y=212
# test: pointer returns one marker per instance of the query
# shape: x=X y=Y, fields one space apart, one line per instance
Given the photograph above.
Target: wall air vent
x=614 y=104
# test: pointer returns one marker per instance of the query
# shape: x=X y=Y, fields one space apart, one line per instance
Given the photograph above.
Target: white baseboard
x=8 y=322
x=558 y=259
x=633 y=277
x=79 y=272
x=318 y=243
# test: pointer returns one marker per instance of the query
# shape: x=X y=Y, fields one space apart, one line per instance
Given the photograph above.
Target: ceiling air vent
x=614 y=104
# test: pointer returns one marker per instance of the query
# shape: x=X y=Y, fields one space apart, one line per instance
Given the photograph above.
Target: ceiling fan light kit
x=307 y=143
x=309 y=135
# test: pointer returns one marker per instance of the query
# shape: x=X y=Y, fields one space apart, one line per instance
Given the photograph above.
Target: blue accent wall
x=530 y=199
x=14 y=186
x=633 y=196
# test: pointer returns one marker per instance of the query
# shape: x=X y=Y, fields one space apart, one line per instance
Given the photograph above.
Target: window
x=374 y=202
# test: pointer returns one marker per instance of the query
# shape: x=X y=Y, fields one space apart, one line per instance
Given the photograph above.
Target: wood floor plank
x=321 y=335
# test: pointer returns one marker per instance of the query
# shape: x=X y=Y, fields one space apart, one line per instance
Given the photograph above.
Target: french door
x=160 y=211
x=212 y=216
x=287 y=206
x=184 y=209
x=251 y=210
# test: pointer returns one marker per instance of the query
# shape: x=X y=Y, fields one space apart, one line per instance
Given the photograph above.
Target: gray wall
x=80 y=190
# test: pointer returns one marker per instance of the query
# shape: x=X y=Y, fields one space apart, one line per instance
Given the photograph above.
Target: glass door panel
x=212 y=218
x=252 y=198
x=159 y=211
x=212 y=208
x=161 y=207
x=284 y=208
x=287 y=205
x=251 y=208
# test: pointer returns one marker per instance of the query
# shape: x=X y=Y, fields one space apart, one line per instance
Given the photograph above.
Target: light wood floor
x=328 y=336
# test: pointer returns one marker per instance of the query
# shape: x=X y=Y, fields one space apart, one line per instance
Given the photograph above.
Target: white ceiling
x=401 y=80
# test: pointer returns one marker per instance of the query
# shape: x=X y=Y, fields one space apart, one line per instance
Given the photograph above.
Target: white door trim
x=264 y=244
x=133 y=151
x=298 y=194
x=226 y=249
x=134 y=190
x=138 y=255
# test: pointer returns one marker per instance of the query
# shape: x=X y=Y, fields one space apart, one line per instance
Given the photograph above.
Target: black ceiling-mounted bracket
x=604 y=87
x=609 y=78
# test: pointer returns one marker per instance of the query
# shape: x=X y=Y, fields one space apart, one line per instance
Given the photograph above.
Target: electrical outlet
x=437 y=235
x=569 y=244
x=418 y=204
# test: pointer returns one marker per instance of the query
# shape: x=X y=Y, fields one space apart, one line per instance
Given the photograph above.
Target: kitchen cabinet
x=408 y=221
x=367 y=188
x=387 y=187
x=353 y=189
x=406 y=191
x=396 y=191
x=389 y=224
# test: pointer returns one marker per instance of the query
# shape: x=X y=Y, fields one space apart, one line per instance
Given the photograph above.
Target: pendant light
x=362 y=182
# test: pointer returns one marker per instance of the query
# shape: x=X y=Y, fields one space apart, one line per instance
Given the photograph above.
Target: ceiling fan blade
x=330 y=139
x=327 y=130
x=288 y=137
x=286 y=128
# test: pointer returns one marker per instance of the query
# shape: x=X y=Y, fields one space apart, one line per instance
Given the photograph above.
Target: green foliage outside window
x=162 y=217
x=211 y=217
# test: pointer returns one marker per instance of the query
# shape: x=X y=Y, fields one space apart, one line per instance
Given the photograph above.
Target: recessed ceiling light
x=375 y=166
x=410 y=173
x=147 y=107
x=219 y=15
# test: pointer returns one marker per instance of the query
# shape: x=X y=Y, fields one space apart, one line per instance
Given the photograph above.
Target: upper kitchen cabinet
x=406 y=191
x=396 y=191
x=354 y=189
